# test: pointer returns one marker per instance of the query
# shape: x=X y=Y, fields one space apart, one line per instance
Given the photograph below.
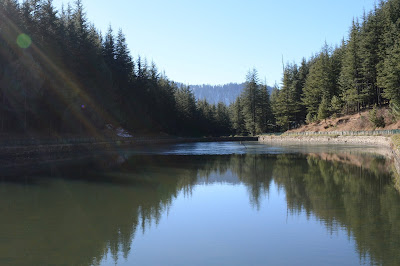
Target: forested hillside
x=214 y=94
x=363 y=71
x=59 y=75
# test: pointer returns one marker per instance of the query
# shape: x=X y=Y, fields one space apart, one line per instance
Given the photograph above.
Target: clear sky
x=218 y=41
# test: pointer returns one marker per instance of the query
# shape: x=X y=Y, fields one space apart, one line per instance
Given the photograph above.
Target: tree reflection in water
x=77 y=213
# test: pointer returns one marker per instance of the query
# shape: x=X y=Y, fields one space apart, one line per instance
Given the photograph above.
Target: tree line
x=361 y=72
x=59 y=74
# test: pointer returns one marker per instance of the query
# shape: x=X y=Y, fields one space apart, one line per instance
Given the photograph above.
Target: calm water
x=204 y=204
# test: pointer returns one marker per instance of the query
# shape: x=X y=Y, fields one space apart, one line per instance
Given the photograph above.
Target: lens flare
x=24 y=41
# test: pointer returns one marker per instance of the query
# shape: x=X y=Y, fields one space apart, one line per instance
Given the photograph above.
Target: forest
x=362 y=72
x=60 y=75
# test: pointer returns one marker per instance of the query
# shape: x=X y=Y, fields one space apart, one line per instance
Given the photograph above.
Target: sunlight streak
x=62 y=80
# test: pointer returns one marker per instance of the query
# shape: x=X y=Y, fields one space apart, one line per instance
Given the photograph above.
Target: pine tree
x=336 y=67
x=323 y=109
x=279 y=107
x=237 y=119
x=288 y=106
x=109 y=48
x=264 y=111
x=336 y=105
x=48 y=26
x=320 y=82
x=250 y=99
x=351 y=80
x=222 y=118
x=390 y=75
x=369 y=39
x=123 y=61
x=186 y=107
x=303 y=72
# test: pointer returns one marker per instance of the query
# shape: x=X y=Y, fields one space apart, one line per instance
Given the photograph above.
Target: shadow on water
x=77 y=212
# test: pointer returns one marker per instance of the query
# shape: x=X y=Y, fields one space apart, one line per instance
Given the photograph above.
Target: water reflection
x=77 y=213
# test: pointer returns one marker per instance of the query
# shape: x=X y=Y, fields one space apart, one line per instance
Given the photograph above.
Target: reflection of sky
x=219 y=224
x=216 y=225
x=225 y=148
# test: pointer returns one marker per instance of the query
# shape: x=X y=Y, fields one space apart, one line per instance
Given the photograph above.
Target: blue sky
x=218 y=41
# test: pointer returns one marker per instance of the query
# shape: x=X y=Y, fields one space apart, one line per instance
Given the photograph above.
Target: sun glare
x=24 y=41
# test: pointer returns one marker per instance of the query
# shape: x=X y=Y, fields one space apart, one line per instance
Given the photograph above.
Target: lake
x=226 y=203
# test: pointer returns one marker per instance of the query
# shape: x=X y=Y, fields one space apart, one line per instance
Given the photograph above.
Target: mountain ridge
x=213 y=94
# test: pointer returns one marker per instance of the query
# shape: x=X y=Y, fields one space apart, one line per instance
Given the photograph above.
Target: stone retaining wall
x=369 y=140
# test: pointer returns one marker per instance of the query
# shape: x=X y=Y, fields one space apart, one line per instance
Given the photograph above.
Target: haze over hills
x=214 y=94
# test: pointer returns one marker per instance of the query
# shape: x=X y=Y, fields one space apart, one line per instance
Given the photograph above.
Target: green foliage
x=69 y=64
x=237 y=117
x=336 y=105
x=323 y=109
x=310 y=118
x=320 y=81
x=255 y=105
x=361 y=72
x=370 y=39
x=375 y=119
x=350 y=76
x=64 y=77
x=286 y=102
x=264 y=111
x=395 y=109
x=389 y=77
x=250 y=100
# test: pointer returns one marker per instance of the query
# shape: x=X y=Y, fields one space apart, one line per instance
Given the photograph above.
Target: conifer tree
x=222 y=118
x=350 y=78
x=319 y=83
x=250 y=98
x=109 y=48
x=279 y=108
x=123 y=61
x=264 y=111
x=389 y=78
x=186 y=107
x=237 y=119
x=336 y=105
x=288 y=107
x=323 y=109
x=371 y=36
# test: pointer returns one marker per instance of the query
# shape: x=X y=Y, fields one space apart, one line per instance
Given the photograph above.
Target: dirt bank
x=353 y=122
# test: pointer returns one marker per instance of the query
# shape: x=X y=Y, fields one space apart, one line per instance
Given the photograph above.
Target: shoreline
x=12 y=155
x=385 y=142
x=323 y=139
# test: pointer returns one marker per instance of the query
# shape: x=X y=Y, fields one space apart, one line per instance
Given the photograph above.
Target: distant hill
x=214 y=94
